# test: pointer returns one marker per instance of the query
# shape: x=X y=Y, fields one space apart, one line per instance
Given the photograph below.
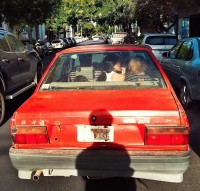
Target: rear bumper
x=155 y=165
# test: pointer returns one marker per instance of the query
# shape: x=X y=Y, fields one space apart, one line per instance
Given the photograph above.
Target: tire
x=2 y=107
x=185 y=97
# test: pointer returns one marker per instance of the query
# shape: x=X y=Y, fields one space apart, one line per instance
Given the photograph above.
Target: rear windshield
x=161 y=40
x=103 y=71
x=56 y=41
x=119 y=35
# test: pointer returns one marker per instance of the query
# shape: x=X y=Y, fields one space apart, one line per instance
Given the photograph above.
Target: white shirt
x=109 y=76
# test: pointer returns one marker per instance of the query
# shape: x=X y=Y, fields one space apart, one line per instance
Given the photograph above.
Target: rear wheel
x=2 y=107
x=185 y=97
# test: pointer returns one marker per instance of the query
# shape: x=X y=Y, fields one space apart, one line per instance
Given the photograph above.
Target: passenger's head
x=112 y=63
x=137 y=65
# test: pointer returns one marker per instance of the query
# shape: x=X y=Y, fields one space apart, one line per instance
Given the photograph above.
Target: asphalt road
x=9 y=180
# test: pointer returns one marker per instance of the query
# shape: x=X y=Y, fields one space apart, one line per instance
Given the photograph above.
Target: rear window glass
x=15 y=44
x=3 y=43
x=56 y=41
x=95 y=71
x=119 y=35
x=170 y=40
x=161 y=40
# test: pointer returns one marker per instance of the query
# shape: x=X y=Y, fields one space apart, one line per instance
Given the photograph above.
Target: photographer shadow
x=105 y=165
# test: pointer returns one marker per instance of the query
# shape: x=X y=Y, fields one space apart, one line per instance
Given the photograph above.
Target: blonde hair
x=137 y=66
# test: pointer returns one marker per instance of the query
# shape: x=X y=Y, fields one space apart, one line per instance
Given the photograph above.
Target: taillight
x=167 y=136
x=30 y=135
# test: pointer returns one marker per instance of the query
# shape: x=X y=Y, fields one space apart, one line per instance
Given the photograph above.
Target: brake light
x=167 y=136
x=30 y=135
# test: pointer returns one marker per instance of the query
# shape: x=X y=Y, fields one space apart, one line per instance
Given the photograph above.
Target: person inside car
x=136 y=69
x=113 y=69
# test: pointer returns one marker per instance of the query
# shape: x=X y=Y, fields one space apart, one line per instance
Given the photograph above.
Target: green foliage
x=58 y=14
x=88 y=29
x=34 y=12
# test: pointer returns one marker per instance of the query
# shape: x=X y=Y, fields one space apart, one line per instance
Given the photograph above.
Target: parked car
x=32 y=51
x=71 y=41
x=129 y=40
x=117 y=37
x=78 y=39
x=58 y=44
x=20 y=69
x=106 y=39
x=95 y=38
x=182 y=66
x=43 y=48
x=158 y=42
x=77 y=124
x=68 y=43
x=74 y=41
x=28 y=44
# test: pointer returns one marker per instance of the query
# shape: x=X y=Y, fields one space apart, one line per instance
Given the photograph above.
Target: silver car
x=158 y=42
x=182 y=66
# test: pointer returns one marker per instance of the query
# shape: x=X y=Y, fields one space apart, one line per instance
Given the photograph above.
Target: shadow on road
x=194 y=119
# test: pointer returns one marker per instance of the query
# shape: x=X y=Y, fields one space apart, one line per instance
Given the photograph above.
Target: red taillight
x=167 y=136
x=41 y=138
x=21 y=139
x=179 y=139
x=30 y=135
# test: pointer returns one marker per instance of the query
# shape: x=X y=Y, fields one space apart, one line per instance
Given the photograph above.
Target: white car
x=95 y=38
x=58 y=44
x=118 y=37
x=159 y=43
x=78 y=39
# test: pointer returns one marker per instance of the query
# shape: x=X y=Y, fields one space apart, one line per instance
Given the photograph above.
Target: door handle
x=174 y=65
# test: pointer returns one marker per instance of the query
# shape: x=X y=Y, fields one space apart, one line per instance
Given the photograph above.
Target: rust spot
x=58 y=126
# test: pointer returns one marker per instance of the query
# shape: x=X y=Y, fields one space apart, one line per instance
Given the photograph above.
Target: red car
x=82 y=121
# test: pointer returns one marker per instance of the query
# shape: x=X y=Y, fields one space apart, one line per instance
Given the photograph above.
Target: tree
x=88 y=29
x=79 y=11
x=117 y=12
x=28 y=12
x=158 y=13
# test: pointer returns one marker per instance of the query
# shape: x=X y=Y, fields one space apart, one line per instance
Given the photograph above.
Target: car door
x=27 y=67
x=9 y=64
x=181 y=62
x=169 y=63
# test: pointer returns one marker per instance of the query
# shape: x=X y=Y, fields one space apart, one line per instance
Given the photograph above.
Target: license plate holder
x=90 y=133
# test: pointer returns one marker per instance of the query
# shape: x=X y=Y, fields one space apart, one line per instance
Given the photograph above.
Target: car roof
x=190 y=38
x=105 y=47
x=158 y=34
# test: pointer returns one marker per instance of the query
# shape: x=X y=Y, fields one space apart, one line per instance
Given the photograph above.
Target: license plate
x=89 y=133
